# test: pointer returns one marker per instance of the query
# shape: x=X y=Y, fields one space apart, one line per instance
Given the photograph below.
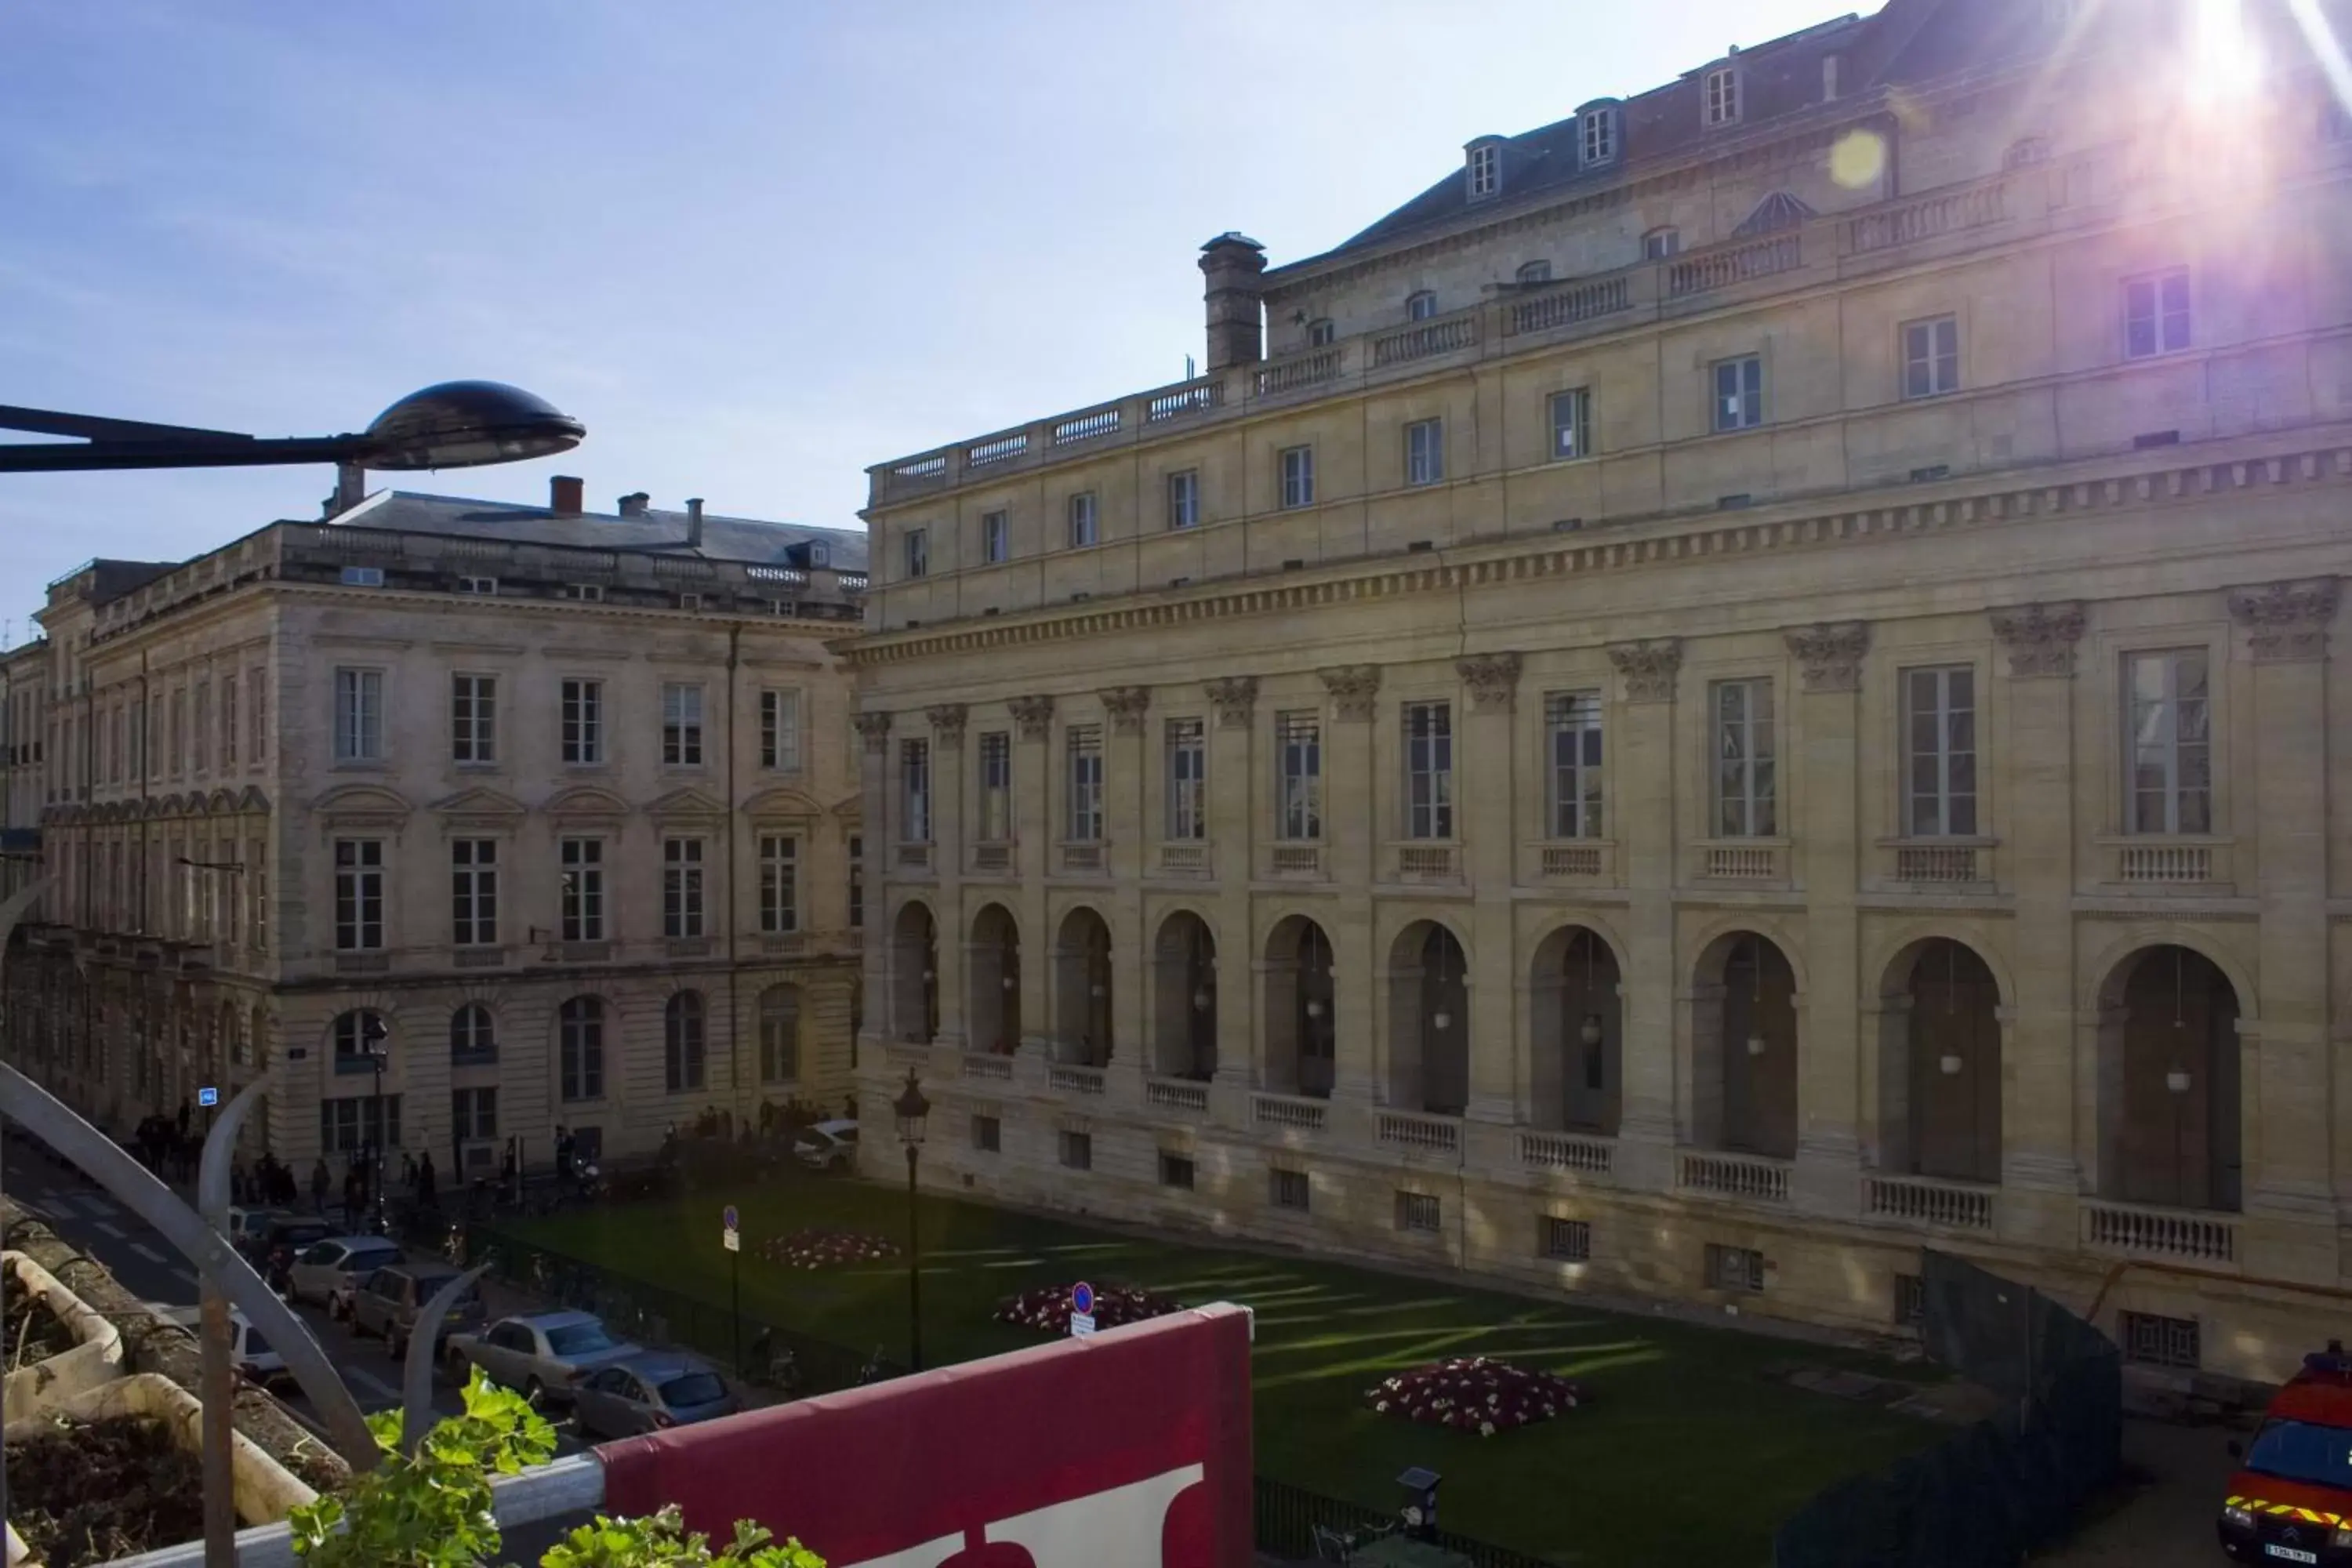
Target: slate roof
x=658 y=531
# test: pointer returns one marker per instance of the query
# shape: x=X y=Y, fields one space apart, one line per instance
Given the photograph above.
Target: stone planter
x=96 y=1359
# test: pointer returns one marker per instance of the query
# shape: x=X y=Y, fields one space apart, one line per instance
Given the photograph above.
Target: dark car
x=283 y=1236
x=389 y=1300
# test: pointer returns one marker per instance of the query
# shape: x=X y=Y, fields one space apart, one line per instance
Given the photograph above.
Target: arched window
x=779 y=1035
x=257 y=1042
x=1536 y=272
x=581 y=1048
x=1321 y=333
x=362 y=1037
x=1420 y=305
x=682 y=1035
x=473 y=1036
x=232 y=1036
x=1660 y=243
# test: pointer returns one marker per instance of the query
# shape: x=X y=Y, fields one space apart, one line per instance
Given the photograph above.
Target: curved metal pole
x=417 y=1371
x=10 y=913
x=214 y=1336
x=53 y=1122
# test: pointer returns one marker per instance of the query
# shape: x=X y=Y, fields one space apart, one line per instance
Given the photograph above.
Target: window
x=1744 y=777
x=1322 y=333
x=359 y=894
x=856 y=883
x=2156 y=314
x=1418 y=1211
x=2170 y=744
x=1078 y=1150
x=473 y=718
x=919 y=551
x=778 y=884
x=779 y=732
x=473 y=1114
x=681 y=726
x=1910 y=1301
x=995 y=537
x=1739 y=392
x=1722 y=96
x=584 y=723
x=1535 y=272
x=2155 y=1341
x=987 y=1134
x=580 y=1053
x=227 y=728
x=1290 y=1190
x=1297 y=476
x=1931 y=357
x=1429 y=770
x=1485 y=170
x=1084 y=528
x=682 y=1042
x=1175 y=1169
x=995 y=787
x=1424 y=452
x=1184 y=498
x=486 y=586
x=1572 y=738
x=1939 y=720
x=1188 y=780
x=364 y=1121
x=201 y=716
x=362 y=576
x=359 y=718
x=1565 y=1240
x=474 y=891
x=1298 y=780
x=1572 y=423
x=779 y=1035
x=681 y=889
x=1085 y=804
x=256 y=708
x=914 y=792
x=1599 y=135
x=1660 y=244
x=1420 y=305
x=473 y=1036
x=1734 y=1267
x=585 y=593
x=581 y=906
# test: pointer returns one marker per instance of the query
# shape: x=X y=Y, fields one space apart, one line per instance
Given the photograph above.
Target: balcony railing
x=1924 y=1200
x=915 y=857
x=1567 y=303
x=1192 y=397
x=1927 y=218
x=1565 y=861
x=992 y=857
x=985 y=1065
x=1177 y=1094
x=1709 y=271
x=1423 y=339
x=1567 y=1152
x=1936 y=863
x=1743 y=863
x=2165 y=863
x=1087 y=426
x=1082 y=857
x=1074 y=1079
x=1184 y=860
x=1754 y=1177
x=1428 y=862
x=1421 y=1133
x=1313 y=368
x=1287 y=1110
x=2172 y=1234
x=1296 y=860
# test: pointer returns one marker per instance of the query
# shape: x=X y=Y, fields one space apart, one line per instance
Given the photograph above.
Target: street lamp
x=375 y=1036
x=455 y=425
x=912 y=1109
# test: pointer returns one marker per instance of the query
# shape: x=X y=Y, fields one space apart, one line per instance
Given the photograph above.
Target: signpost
x=730 y=1236
x=207 y=1097
x=1081 y=1310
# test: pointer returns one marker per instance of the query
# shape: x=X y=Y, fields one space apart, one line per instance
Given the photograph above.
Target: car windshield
x=579 y=1339
x=2303 y=1451
x=254 y=1344
x=694 y=1388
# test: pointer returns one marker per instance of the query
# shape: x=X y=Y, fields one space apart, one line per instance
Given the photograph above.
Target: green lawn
x=1688 y=1452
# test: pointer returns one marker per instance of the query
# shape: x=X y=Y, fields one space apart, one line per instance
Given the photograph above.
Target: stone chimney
x=563 y=495
x=634 y=503
x=1234 y=268
x=693 y=522
x=350 y=489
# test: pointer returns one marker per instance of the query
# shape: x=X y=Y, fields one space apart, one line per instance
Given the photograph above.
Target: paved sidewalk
x=2170 y=1515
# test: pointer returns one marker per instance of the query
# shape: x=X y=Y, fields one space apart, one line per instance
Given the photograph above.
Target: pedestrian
x=183 y=1115
x=409 y=1172
x=320 y=1183
x=425 y=1183
x=236 y=1193
x=849 y=1108
x=563 y=1147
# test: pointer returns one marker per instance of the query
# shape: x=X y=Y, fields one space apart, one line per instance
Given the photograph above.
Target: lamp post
x=912 y=1109
x=375 y=1036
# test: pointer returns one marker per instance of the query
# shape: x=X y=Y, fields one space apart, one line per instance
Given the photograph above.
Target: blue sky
x=755 y=245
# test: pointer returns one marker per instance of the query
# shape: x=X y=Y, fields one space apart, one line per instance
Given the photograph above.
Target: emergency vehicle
x=2291 y=1498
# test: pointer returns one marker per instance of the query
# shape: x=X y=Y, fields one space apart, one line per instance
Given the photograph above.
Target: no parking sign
x=1082 y=1309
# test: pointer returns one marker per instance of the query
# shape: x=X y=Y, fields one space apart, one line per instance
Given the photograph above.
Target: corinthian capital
x=947 y=724
x=1648 y=669
x=1034 y=715
x=1236 y=699
x=1493 y=679
x=873 y=729
x=1126 y=706
x=2287 y=623
x=1831 y=655
x=1355 y=692
x=2040 y=639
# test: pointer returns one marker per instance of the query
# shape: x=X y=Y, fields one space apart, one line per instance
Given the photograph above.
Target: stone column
x=1350 y=839
x=1033 y=793
x=1125 y=760
x=2286 y=1085
x=1828 y=1178
x=1642 y=731
x=1232 y=768
x=947 y=864
x=879 y=824
x=2039 y=1134
x=1489 y=848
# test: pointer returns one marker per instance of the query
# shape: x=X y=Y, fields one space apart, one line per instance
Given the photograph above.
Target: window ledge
x=1947 y=841
x=2149 y=840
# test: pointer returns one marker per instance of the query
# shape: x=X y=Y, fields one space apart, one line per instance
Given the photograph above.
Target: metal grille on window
x=1567 y=1240
x=2154 y=1340
x=1290 y=1189
x=1176 y=1171
x=1417 y=1210
x=1734 y=1267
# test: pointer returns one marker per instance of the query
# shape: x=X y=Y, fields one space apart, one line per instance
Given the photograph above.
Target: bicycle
x=1341 y=1546
x=872 y=1371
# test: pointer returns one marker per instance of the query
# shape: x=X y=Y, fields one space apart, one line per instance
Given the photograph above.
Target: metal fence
x=1287 y=1520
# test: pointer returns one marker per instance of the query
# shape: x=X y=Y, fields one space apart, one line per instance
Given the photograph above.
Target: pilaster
x=947 y=795
x=1350 y=837
x=1033 y=778
x=1642 y=721
x=1232 y=765
x=1124 y=759
x=1486 y=829
x=1828 y=1173
x=881 y=827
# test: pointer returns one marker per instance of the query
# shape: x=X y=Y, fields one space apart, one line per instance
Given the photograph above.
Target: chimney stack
x=693 y=522
x=634 y=503
x=350 y=489
x=563 y=495
x=1234 y=268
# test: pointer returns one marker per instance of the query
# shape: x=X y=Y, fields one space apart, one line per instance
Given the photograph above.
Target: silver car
x=328 y=1271
x=387 y=1301
x=541 y=1354
x=649 y=1392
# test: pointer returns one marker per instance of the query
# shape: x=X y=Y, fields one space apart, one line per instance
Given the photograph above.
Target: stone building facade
x=558 y=808
x=1749 y=689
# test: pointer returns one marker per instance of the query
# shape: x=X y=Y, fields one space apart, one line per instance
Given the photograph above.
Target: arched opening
x=1184 y=999
x=1082 y=999
x=684 y=1027
x=1744 y=1046
x=1298 y=1009
x=230 y=1029
x=915 y=976
x=779 y=1035
x=1429 y=1021
x=473 y=1036
x=1939 y=1064
x=1576 y=1023
x=993 y=1011
x=2168 y=1082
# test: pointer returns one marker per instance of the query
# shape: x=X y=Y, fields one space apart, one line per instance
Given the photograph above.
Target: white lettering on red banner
x=1083 y=1533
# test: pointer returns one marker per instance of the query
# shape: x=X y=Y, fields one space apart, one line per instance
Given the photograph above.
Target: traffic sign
x=732 y=1240
x=727 y=1217
x=1082 y=1324
x=1082 y=1299
x=207 y=1097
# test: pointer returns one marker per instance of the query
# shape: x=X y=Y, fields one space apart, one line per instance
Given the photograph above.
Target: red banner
x=1080 y=1454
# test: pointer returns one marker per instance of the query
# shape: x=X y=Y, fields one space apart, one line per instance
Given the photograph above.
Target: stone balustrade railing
x=1925 y=1200
x=1287 y=1110
x=1420 y=1131
x=1579 y=1152
x=2174 y=1236
x=1074 y=1079
x=1754 y=1177
x=1177 y=1094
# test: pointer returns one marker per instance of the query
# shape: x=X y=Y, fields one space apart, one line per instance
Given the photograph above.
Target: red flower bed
x=1475 y=1394
x=1048 y=1308
x=819 y=1248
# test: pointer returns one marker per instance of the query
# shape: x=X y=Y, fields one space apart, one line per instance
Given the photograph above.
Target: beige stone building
x=559 y=807
x=1742 y=686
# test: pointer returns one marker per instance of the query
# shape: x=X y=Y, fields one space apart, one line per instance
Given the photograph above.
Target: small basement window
x=2153 y=1341
x=1290 y=1190
x=1565 y=1240
x=987 y=1134
x=1734 y=1267
x=1077 y=1150
x=1175 y=1171
x=486 y=586
x=1417 y=1210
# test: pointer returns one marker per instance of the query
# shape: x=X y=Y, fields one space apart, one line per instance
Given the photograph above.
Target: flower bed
x=821 y=1248
x=1475 y=1394
x=90 y=1492
x=1048 y=1308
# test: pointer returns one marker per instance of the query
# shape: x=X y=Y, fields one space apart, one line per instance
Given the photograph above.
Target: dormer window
x=1536 y=272
x=1420 y=305
x=1485 y=169
x=1661 y=243
x=1722 y=96
x=2026 y=152
x=1321 y=333
x=1597 y=136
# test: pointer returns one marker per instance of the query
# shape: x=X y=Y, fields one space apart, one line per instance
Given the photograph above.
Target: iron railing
x=1287 y=1518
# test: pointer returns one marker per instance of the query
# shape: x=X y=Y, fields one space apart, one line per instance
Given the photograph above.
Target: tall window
x=1739 y=392
x=1662 y=243
x=1722 y=96
x=2156 y=314
x=1931 y=357
x=1429 y=770
x=361 y=1037
x=995 y=537
x=780 y=731
x=1486 y=168
x=1599 y=135
x=473 y=719
x=1940 y=736
x=1424 y=452
x=581 y=906
x=227 y=725
x=201 y=719
x=474 y=891
x=2172 y=742
x=683 y=1020
x=583 y=722
x=359 y=894
x=359 y=718
x=1184 y=498
x=256 y=872
x=114 y=756
x=919 y=551
x=1085 y=528
x=681 y=725
x=1572 y=423
x=1085 y=804
x=1744 y=782
x=1573 y=733
x=359 y=1122
x=856 y=882
x=1297 y=476
x=1420 y=305
x=580 y=1053
x=1299 y=781
x=995 y=787
x=779 y=1034
x=256 y=714
x=473 y=1115
x=682 y=887
x=473 y=1036
x=1322 y=333
x=914 y=792
x=1188 y=780
x=780 y=911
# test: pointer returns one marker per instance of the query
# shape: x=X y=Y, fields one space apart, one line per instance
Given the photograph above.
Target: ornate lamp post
x=375 y=1041
x=912 y=1109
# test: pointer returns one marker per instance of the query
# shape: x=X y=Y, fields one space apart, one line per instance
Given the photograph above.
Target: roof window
x=1722 y=101
x=1596 y=138
x=1483 y=161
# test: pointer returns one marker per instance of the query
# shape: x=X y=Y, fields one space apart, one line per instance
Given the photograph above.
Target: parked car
x=250 y=1352
x=540 y=1354
x=828 y=1145
x=326 y=1271
x=649 y=1392
x=2294 y=1479
x=286 y=1233
x=245 y=1226
x=388 y=1300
